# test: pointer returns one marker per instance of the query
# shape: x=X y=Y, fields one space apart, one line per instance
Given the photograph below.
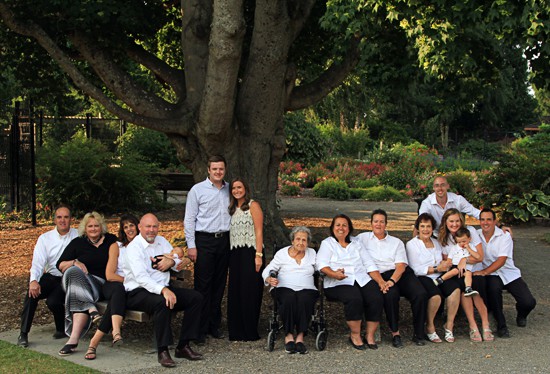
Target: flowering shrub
x=289 y=188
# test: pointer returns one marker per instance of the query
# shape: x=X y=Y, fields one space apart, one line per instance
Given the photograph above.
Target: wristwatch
x=435 y=269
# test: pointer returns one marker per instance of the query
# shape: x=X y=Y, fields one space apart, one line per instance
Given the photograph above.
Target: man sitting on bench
x=147 y=264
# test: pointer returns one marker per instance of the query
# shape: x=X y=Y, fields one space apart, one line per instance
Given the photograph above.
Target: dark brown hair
x=122 y=237
x=233 y=202
x=350 y=225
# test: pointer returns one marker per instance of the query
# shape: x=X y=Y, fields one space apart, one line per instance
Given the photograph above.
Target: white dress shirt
x=47 y=251
x=500 y=245
x=422 y=258
x=430 y=205
x=474 y=241
x=291 y=274
x=206 y=210
x=138 y=269
x=354 y=259
x=385 y=252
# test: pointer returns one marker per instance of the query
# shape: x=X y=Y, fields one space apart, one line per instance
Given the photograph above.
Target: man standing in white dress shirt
x=147 y=277
x=206 y=226
x=440 y=200
x=45 y=278
x=501 y=273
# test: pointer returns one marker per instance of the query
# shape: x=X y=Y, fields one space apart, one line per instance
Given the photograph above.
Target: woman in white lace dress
x=244 y=295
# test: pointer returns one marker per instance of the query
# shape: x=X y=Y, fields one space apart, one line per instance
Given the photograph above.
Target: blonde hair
x=95 y=215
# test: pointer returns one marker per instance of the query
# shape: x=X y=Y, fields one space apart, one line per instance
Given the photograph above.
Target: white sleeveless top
x=241 y=233
x=120 y=264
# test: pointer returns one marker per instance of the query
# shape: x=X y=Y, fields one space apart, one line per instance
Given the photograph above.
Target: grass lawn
x=14 y=359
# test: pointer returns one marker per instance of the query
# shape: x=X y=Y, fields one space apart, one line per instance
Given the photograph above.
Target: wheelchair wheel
x=271 y=337
x=321 y=340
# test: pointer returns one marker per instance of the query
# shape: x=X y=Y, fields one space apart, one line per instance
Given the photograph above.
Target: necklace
x=94 y=242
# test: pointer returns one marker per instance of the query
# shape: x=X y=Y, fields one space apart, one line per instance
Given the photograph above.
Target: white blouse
x=422 y=258
x=354 y=259
x=385 y=252
x=120 y=262
x=292 y=275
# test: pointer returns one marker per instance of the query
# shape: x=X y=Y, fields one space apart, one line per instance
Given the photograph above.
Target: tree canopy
x=217 y=76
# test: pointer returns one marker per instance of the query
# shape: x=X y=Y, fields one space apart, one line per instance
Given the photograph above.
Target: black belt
x=212 y=234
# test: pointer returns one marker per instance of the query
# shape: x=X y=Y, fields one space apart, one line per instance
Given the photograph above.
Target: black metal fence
x=23 y=129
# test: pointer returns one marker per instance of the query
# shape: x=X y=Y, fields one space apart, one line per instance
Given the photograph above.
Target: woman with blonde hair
x=83 y=265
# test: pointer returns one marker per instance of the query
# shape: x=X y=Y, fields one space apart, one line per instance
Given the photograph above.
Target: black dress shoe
x=188 y=353
x=165 y=359
x=503 y=333
x=396 y=341
x=521 y=321
x=23 y=340
x=418 y=341
x=368 y=345
x=290 y=347
x=360 y=347
x=217 y=334
x=59 y=335
x=301 y=348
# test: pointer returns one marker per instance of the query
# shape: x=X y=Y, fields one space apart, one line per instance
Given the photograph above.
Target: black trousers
x=295 y=308
x=410 y=287
x=359 y=302
x=115 y=293
x=525 y=302
x=52 y=291
x=210 y=277
x=187 y=300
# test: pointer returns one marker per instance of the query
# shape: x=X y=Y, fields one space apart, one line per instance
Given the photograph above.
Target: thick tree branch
x=171 y=76
x=196 y=20
x=32 y=30
x=120 y=82
x=226 y=39
x=311 y=93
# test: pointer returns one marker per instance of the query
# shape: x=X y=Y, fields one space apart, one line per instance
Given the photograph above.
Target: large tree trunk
x=237 y=83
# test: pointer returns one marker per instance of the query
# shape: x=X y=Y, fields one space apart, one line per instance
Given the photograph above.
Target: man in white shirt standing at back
x=147 y=278
x=501 y=273
x=45 y=279
x=440 y=200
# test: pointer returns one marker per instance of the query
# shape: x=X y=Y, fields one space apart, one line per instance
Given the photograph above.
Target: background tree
x=217 y=75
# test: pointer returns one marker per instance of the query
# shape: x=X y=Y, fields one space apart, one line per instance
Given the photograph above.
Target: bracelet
x=391 y=280
x=259 y=254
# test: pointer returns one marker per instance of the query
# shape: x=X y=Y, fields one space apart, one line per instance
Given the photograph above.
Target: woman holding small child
x=467 y=253
x=426 y=260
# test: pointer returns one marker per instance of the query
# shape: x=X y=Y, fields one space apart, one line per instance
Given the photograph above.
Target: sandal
x=488 y=335
x=475 y=336
x=449 y=337
x=68 y=349
x=90 y=353
x=433 y=337
x=95 y=317
x=117 y=339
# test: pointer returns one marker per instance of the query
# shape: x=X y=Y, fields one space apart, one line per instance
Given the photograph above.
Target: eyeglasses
x=440 y=185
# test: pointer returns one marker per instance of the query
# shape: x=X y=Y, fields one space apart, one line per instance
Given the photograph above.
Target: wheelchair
x=317 y=324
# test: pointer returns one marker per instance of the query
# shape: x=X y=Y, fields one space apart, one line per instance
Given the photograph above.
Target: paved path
x=526 y=352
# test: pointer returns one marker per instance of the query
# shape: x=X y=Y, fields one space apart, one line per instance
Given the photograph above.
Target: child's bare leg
x=468 y=278
x=450 y=274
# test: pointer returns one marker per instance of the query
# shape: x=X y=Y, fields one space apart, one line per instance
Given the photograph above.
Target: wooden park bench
x=137 y=315
x=174 y=182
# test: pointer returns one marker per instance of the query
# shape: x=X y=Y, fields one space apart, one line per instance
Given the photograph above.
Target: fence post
x=40 y=127
x=88 y=126
x=33 y=166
